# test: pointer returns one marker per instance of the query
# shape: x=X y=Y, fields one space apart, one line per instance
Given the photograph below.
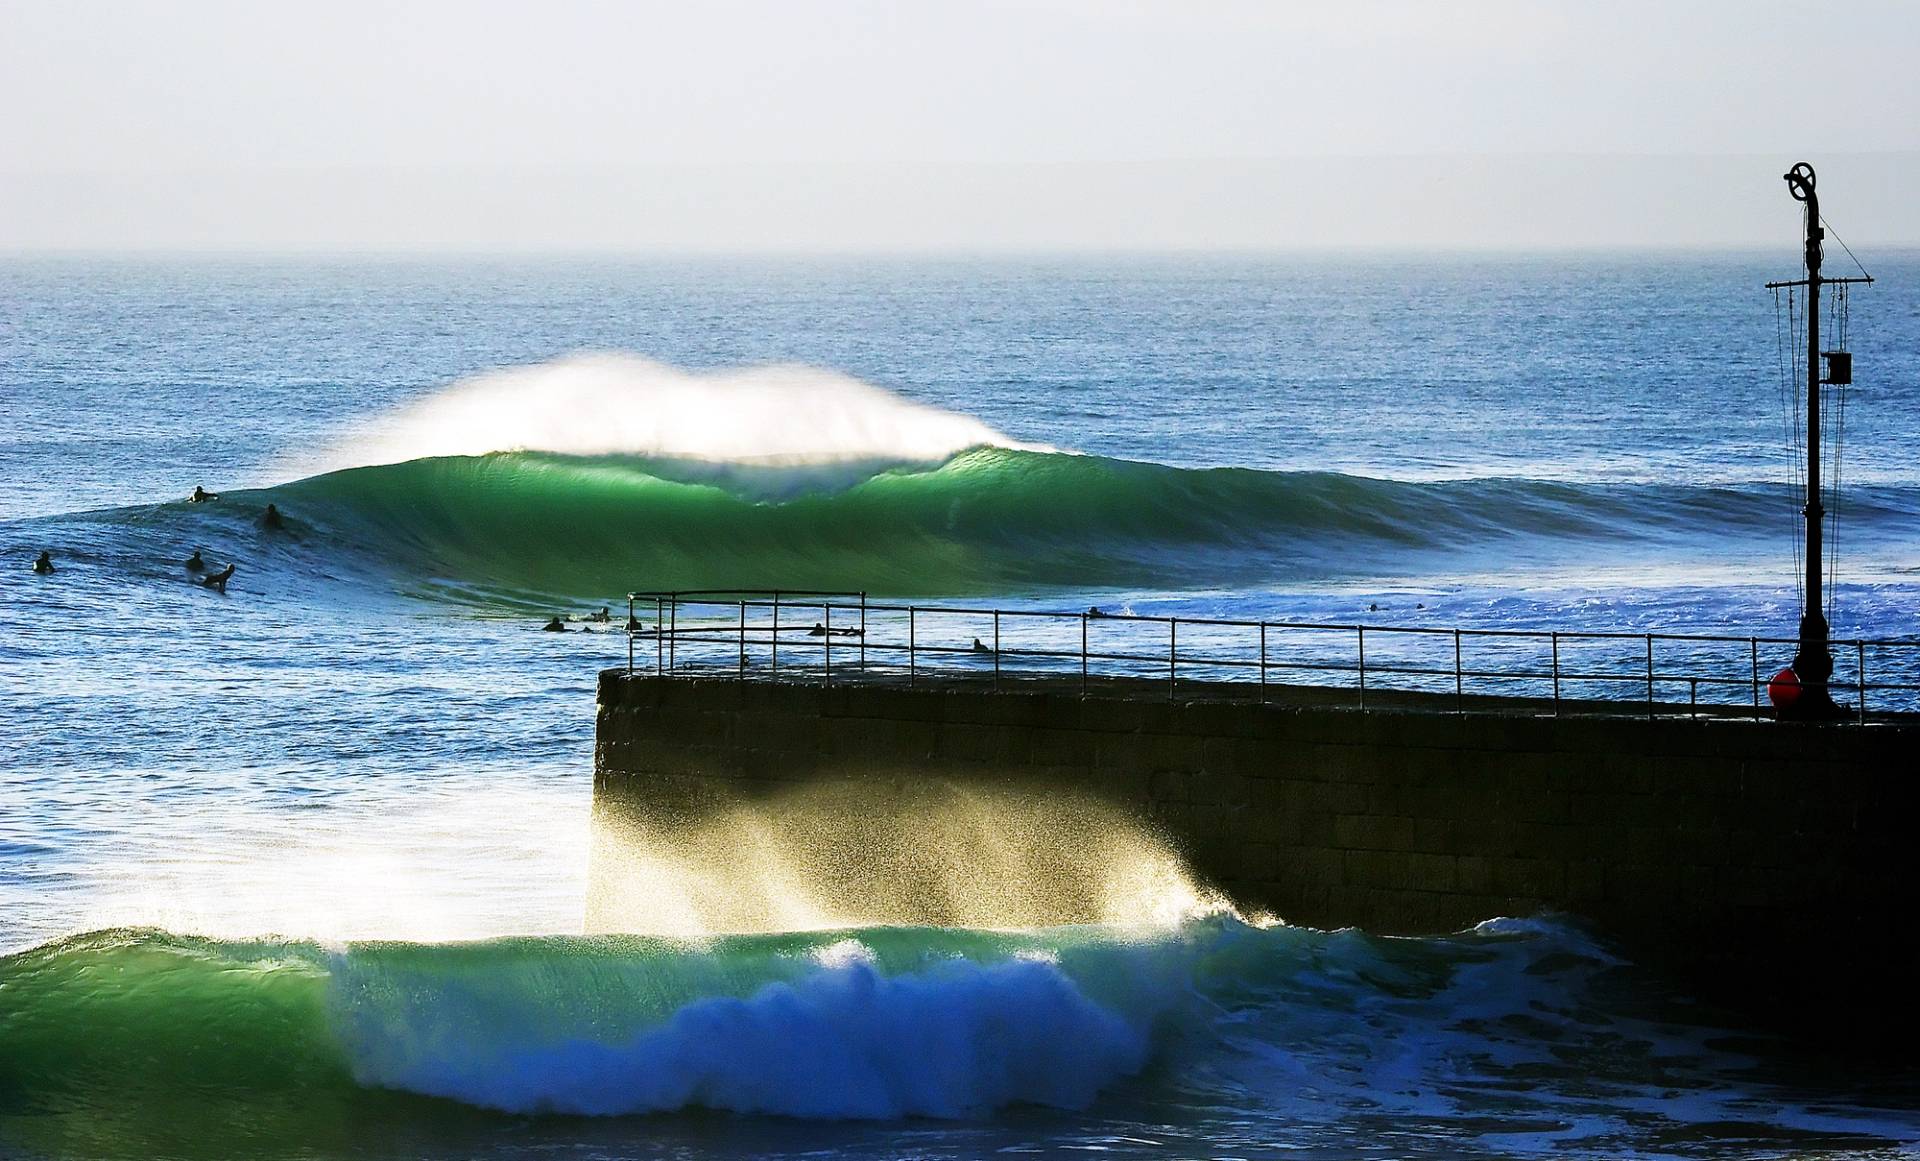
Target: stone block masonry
x=1768 y=863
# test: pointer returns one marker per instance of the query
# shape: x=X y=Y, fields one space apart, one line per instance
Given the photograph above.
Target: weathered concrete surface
x=1770 y=861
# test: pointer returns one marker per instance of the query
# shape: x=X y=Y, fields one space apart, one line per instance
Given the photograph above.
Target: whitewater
x=307 y=869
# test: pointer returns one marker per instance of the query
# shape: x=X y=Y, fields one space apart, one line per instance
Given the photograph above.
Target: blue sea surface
x=302 y=868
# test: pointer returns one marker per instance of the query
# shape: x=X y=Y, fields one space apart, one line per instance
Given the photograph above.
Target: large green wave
x=991 y=519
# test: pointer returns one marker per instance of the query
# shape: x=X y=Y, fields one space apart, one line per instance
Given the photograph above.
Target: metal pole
x=673 y=640
x=1459 y=682
x=659 y=644
x=1693 y=696
x=1083 y=655
x=776 y=632
x=996 y=649
x=913 y=670
x=743 y=640
x=826 y=643
x=1649 y=674
x=629 y=634
x=1860 y=661
x=1360 y=632
x=1753 y=650
x=1556 y=674
x=1173 y=655
x=1813 y=663
x=1263 y=663
x=863 y=632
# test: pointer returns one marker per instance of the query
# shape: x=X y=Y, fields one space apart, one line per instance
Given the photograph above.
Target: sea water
x=302 y=869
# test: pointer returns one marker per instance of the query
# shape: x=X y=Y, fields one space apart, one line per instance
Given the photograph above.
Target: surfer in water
x=603 y=616
x=271 y=518
x=980 y=646
x=201 y=495
x=217 y=581
x=195 y=564
x=44 y=565
x=554 y=626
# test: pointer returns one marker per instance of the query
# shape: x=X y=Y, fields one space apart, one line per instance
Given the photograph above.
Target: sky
x=865 y=125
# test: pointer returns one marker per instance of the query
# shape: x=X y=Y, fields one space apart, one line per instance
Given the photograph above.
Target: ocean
x=300 y=869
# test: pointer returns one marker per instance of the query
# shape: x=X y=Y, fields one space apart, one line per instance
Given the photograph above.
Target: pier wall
x=1703 y=843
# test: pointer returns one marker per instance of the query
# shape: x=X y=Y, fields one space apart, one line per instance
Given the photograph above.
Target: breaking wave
x=985 y=519
x=137 y=1042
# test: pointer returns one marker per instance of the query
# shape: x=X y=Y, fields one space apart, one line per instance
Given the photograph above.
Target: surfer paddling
x=554 y=626
x=217 y=581
x=195 y=563
x=271 y=519
x=200 y=495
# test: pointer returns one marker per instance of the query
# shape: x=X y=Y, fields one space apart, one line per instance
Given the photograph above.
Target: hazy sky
x=988 y=125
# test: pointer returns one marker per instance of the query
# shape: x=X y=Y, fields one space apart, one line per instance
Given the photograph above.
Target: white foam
x=618 y=404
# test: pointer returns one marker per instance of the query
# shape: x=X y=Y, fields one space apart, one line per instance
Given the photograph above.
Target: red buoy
x=1784 y=689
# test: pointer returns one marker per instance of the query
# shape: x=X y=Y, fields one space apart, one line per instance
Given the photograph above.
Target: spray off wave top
x=606 y=404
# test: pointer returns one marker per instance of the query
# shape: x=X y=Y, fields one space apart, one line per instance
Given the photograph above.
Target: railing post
x=743 y=639
x=826 y=643
x=1459 y=682
x=913 y=669
x=1263 y=663
x=1753 y=648
x=996 y=649
x=1649 y=676
x=1693 y=697
x=1173 y=656
x=659 y=642
x=1860 y=674
x=673 y=639
x=1556 y=674
x=1360 y=636
x=863 y=632
x=776 y=633
x=629 y=634
x=1083 y=655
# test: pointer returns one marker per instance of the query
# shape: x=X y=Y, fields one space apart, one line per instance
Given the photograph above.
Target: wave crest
x=617 y=404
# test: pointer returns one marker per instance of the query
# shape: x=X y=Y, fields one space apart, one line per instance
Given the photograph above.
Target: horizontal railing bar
x=702 y=596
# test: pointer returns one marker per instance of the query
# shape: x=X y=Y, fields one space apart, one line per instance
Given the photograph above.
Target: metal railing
x=805 y=635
